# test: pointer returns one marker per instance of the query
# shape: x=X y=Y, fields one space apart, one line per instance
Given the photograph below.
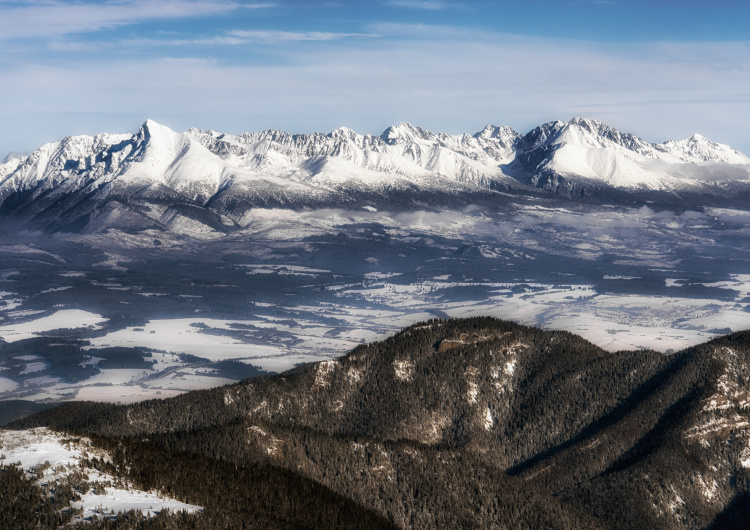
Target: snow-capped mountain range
x=147 y=179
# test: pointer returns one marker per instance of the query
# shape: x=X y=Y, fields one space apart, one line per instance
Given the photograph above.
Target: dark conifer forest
x=448 y=424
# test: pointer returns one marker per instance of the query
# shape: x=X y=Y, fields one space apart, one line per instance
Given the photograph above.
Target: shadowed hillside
x=474 y=422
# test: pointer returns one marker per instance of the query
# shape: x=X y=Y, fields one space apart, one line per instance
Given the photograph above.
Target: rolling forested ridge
x=450 y=423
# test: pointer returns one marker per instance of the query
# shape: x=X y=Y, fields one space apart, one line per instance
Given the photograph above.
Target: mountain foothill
x=451 y=423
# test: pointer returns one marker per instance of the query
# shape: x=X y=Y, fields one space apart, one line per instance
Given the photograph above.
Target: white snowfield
x=50 y=457
x=613 y=322
x=66 y=318
x=593 y=150
x=202 y=165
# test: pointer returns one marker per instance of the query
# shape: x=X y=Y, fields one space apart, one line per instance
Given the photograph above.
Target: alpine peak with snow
x=146 y=180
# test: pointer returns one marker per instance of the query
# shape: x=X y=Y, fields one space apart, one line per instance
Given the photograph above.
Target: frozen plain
x=205 y=309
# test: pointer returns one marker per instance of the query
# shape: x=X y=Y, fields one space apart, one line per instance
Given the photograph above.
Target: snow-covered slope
x=54 y=459
x=592 y=151
x=57 y=167
x=697 y=149
x=402 y=152
x=159 y=178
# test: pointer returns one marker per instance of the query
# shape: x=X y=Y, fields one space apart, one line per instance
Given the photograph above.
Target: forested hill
x=475 y=422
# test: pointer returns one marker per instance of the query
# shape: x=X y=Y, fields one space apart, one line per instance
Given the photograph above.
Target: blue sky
x=662 y=70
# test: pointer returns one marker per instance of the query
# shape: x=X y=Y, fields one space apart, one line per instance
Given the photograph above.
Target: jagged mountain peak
x=153 y=130
x=236 y=172
x=694 y=149
x=697 y=148
x=597 y=129
x=13 y=155
x=345 y=133
x=596 y=134
x=541 y=135
x=154 y=125
x=404 y=132
x=583 y=154
x=494 y=131
x=9 y=165
x=589 y=124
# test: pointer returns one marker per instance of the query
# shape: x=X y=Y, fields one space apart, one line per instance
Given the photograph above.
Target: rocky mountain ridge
x=210 y=180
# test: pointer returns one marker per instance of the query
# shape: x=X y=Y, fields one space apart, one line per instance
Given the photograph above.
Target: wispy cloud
x=54 y=19
x=230 y=38
x=272 y=36
x=421 y=31
x=432 y=5
x=93 y=46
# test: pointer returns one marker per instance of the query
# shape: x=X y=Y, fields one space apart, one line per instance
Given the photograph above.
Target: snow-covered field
x=50 y=457
x=67 y=318
x=371 y=312
x=308 y=285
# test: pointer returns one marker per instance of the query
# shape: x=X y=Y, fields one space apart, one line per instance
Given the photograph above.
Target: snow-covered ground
x=305 y=285
x=50 y=457
x=278 y=338
x=182 y=336
x=67 y=318
x=611 y=321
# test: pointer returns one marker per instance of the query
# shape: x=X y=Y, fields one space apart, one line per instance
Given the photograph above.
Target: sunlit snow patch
x=36 y=448
x=66 y=318
x=7 y=385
